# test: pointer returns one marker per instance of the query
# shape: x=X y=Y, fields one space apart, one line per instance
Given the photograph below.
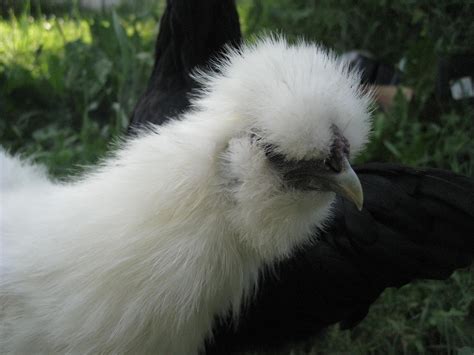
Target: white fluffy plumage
x=143 y=252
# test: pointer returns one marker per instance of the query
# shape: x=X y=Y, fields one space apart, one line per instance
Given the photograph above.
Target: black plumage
x=190 y=33
x=416 y=223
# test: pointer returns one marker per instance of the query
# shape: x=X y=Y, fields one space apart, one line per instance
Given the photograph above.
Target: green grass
x=68 y=84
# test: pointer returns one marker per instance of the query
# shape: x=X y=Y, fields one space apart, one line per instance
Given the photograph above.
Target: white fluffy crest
x=293 y=94
x=141 y=255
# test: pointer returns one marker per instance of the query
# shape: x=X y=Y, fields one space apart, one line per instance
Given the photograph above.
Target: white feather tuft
x=293 y=93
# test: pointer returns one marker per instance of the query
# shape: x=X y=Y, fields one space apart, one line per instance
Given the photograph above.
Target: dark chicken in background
x=191 y=32
x=415 y=224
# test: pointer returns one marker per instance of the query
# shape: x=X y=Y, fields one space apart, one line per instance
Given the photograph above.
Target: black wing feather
x=416 y=224
x=191 y=32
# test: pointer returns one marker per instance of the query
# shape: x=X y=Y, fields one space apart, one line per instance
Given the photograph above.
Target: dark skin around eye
x=297 y=172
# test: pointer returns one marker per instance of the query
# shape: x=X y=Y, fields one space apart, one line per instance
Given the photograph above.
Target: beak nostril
x=333 y=164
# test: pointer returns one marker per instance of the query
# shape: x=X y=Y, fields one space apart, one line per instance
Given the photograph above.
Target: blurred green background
x=70 y=76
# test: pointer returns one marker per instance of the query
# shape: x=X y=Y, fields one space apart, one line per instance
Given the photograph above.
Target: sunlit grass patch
x=24 y=39
x=68 y=84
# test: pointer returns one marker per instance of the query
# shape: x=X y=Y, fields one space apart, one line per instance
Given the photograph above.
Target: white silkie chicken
x=140 y=254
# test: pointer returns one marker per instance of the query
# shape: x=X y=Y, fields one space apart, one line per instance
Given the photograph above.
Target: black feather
x=191 y=32
x=397 y=238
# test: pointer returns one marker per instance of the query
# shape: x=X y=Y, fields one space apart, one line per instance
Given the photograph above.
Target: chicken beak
x=347 y=184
